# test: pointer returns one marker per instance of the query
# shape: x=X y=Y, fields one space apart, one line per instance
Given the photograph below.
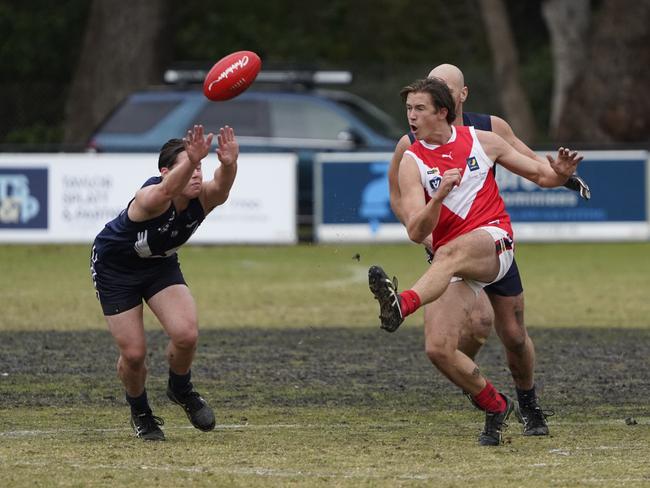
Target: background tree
x=39 y=47
x=568 y=24
x=608 y=102
x=124 y=49
x=506 y=68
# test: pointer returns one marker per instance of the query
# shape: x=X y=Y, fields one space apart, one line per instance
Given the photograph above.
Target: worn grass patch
x=321 y=407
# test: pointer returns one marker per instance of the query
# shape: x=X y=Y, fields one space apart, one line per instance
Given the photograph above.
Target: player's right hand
x=450 y=179
x=196 y=144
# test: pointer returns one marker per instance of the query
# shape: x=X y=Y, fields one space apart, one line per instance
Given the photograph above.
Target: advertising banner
x=617 y=210
x=69 y=197
x=23 y=198
x=353 y=205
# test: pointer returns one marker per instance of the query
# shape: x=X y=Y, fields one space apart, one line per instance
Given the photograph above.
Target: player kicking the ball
x=134 y=258
x=465 y=217
x=501 y=303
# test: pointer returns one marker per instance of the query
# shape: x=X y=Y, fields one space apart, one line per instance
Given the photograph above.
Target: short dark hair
x=168 y=153
x=439 y=91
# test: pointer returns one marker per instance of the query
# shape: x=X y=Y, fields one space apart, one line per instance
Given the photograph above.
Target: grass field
x=597 y=285
x=308 y=391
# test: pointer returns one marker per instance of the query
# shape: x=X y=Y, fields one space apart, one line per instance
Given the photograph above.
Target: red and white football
x=231 y=75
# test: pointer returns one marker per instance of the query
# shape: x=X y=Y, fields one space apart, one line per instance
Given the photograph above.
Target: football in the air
x=231 y=75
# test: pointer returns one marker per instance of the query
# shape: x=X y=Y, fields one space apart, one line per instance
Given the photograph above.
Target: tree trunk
x=122 y=51
x=609 y=102
x=568 y=23
x=505 y=59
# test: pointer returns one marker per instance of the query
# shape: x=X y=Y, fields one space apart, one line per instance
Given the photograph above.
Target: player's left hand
x=228 y=147
x=566 y=162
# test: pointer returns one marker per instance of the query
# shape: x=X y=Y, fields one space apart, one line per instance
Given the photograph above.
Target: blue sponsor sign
x=356 y=193
x=353 y=203
x=23 y=198
x=618 y=188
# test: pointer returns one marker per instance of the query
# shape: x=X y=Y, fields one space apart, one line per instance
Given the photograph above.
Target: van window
x=304 y=119
x=375 y=119
x=247 y=117
x=138 y=116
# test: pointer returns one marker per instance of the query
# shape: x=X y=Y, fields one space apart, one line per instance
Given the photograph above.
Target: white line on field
x=357 y=276
x=38 y=432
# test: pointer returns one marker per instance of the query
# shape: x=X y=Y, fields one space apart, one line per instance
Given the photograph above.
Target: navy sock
x=180 y=383
x=139 y=404
x=526 y=397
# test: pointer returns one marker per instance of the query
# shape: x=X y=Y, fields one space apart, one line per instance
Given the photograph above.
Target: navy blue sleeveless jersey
x=135 y=244
x=479 y=121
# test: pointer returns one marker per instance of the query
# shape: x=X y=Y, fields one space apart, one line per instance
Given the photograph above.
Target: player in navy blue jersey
x=134 y=259
x=501 y=303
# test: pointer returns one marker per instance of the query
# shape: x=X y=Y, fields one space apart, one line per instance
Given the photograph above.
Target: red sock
x=490 y=400
x=410 y=302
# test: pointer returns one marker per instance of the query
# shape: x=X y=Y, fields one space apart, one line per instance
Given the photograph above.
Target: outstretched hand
x=228 y=148
x=196 y=144
x=566 y=163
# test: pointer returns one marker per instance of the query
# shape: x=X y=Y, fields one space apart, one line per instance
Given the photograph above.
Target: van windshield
x=379 y=121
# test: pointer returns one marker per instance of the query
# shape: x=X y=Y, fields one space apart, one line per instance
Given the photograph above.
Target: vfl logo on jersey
x=472 y=164
x=164 y=228
x=434 y=178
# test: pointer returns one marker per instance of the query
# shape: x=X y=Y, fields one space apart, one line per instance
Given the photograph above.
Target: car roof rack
x=308 y=78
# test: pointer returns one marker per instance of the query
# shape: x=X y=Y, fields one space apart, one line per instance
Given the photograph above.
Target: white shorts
x=505 y=251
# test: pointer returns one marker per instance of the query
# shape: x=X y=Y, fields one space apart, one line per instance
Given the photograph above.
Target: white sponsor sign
x=84 y=191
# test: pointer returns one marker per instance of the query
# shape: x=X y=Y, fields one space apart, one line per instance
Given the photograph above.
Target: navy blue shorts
x=508 y=286
x=120 y=288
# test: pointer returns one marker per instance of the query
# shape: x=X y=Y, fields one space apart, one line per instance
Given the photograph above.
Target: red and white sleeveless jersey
x=474 y=203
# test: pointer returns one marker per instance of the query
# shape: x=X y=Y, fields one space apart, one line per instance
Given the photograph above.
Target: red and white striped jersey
x=474 y=203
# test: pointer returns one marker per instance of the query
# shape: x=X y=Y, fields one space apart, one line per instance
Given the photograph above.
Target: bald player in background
x=503 y=301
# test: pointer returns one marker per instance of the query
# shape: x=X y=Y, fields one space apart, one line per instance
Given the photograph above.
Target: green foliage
x=39 y=45
x=385 y=43
x=40 y=40
x=334 y=33
x=35 y=134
